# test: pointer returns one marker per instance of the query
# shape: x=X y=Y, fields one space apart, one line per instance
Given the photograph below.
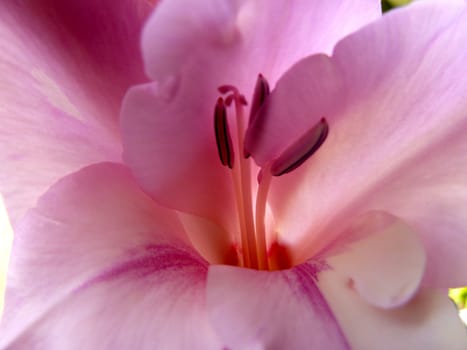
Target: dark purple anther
x=223 y=139
x=260 y=95
x=300 y=150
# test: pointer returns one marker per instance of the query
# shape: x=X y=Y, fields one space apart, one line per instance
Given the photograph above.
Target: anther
x=301 y=150
x=260 y=95
x=223 y=139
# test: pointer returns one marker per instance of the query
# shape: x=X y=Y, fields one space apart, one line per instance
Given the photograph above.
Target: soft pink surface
x=397 y=113
x=190 y=50
x=64 y=68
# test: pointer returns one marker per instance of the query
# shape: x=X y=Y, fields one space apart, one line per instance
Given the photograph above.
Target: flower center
x=252 y=250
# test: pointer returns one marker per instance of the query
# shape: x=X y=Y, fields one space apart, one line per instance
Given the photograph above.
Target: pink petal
x=385 y=266
x=396 y=108
x=428 y=322
x=95 y=242
x=155 y=299
x=64 y=67
x=168 y=132
x=271 y=310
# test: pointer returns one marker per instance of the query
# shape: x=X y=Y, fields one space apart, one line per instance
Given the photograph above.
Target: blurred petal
x=64 y=67
x=178 y=33
x=190 y=50
x=428 y=322
x=96 y=242
x=89 y=48
x=271 y=310
x=397 y=135
x=386 y=265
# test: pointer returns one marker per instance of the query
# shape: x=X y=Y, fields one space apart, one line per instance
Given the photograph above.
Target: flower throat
x=252 y=251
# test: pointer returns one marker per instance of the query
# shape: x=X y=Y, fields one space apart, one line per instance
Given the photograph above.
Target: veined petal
x=396 y=108
x=191 y=50
x=96 y=254
x=271 y=310
x=64 y=67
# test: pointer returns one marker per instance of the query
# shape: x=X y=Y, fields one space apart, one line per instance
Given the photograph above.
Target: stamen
x=241 y=177
x=301 y=150
x=260 y=95
x=264 y=180
x=223 y=139
x=251 y=250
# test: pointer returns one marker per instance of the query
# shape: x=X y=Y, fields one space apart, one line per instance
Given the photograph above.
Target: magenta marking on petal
x=153 y=259
x=303 y=282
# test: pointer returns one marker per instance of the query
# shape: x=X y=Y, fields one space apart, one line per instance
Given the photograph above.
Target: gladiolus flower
x=283 y=185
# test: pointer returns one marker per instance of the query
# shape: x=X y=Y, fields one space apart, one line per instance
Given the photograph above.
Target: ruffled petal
x=191 y=50
x=429 y=321
x=64 y=67
x=271 y=310
x=396 y=108
x=97 y=256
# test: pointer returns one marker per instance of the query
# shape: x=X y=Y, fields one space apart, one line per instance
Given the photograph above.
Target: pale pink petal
x=271 y=310
x=64 y=67
x=384 y=264
x=428 y=322
x=96 y=254
x=396 y=103
x=191 y=50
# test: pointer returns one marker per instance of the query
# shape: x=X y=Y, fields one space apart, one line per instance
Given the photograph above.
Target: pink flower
x=351 y=247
